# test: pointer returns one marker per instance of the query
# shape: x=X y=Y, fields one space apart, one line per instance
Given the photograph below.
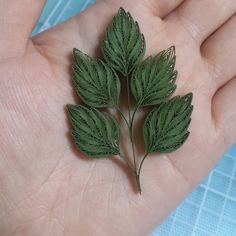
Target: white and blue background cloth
x=210 y=210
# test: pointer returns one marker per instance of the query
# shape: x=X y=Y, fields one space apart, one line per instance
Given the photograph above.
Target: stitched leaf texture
x=97 y=134
x=153 y=81
x=124 y=45
x=166 y=128
x=96 y=83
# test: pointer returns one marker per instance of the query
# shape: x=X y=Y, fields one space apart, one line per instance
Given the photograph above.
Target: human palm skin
x=47 y=187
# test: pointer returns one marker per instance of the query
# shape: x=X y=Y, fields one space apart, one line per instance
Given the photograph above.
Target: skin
x=47 y=187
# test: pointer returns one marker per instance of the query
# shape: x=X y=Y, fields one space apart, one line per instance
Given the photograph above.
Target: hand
x=47 y=187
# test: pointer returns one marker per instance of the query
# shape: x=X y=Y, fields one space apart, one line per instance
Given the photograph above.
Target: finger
x=201 y=18
x=87 y=29
x=160 y=8
x=224 y=111
x=163 y=7
x=17 y=20
x=220 y=53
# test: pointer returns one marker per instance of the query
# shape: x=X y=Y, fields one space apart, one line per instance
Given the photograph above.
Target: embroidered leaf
x=153 y=81
x=124 y=45
x=96 y=83
x=95 y=133
x=166 y=127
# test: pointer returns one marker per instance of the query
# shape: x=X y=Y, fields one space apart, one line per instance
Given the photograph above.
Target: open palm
x=47 y=187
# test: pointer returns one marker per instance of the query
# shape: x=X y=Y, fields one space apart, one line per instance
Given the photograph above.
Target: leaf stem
x=137 y=174
x=131 y=134
x=128 y=96
x=137 y=178
x=141 y=164
x=123 y=116
x=131 y=122
x=132 y=143
x=133 y=115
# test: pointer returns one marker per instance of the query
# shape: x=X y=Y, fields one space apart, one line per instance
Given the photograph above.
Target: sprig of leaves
x=152 y=83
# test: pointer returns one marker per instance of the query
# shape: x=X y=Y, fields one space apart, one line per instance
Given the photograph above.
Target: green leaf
x=124 y=45
x=153 y=81
x=96 y=83
x=97 y=134
x=166 y=127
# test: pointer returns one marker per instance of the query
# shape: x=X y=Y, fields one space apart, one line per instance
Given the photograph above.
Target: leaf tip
x=70 y=108
x=79 y=55
x=172 y=48
x=188 y=97
x=76 y=52
x=121 y=11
